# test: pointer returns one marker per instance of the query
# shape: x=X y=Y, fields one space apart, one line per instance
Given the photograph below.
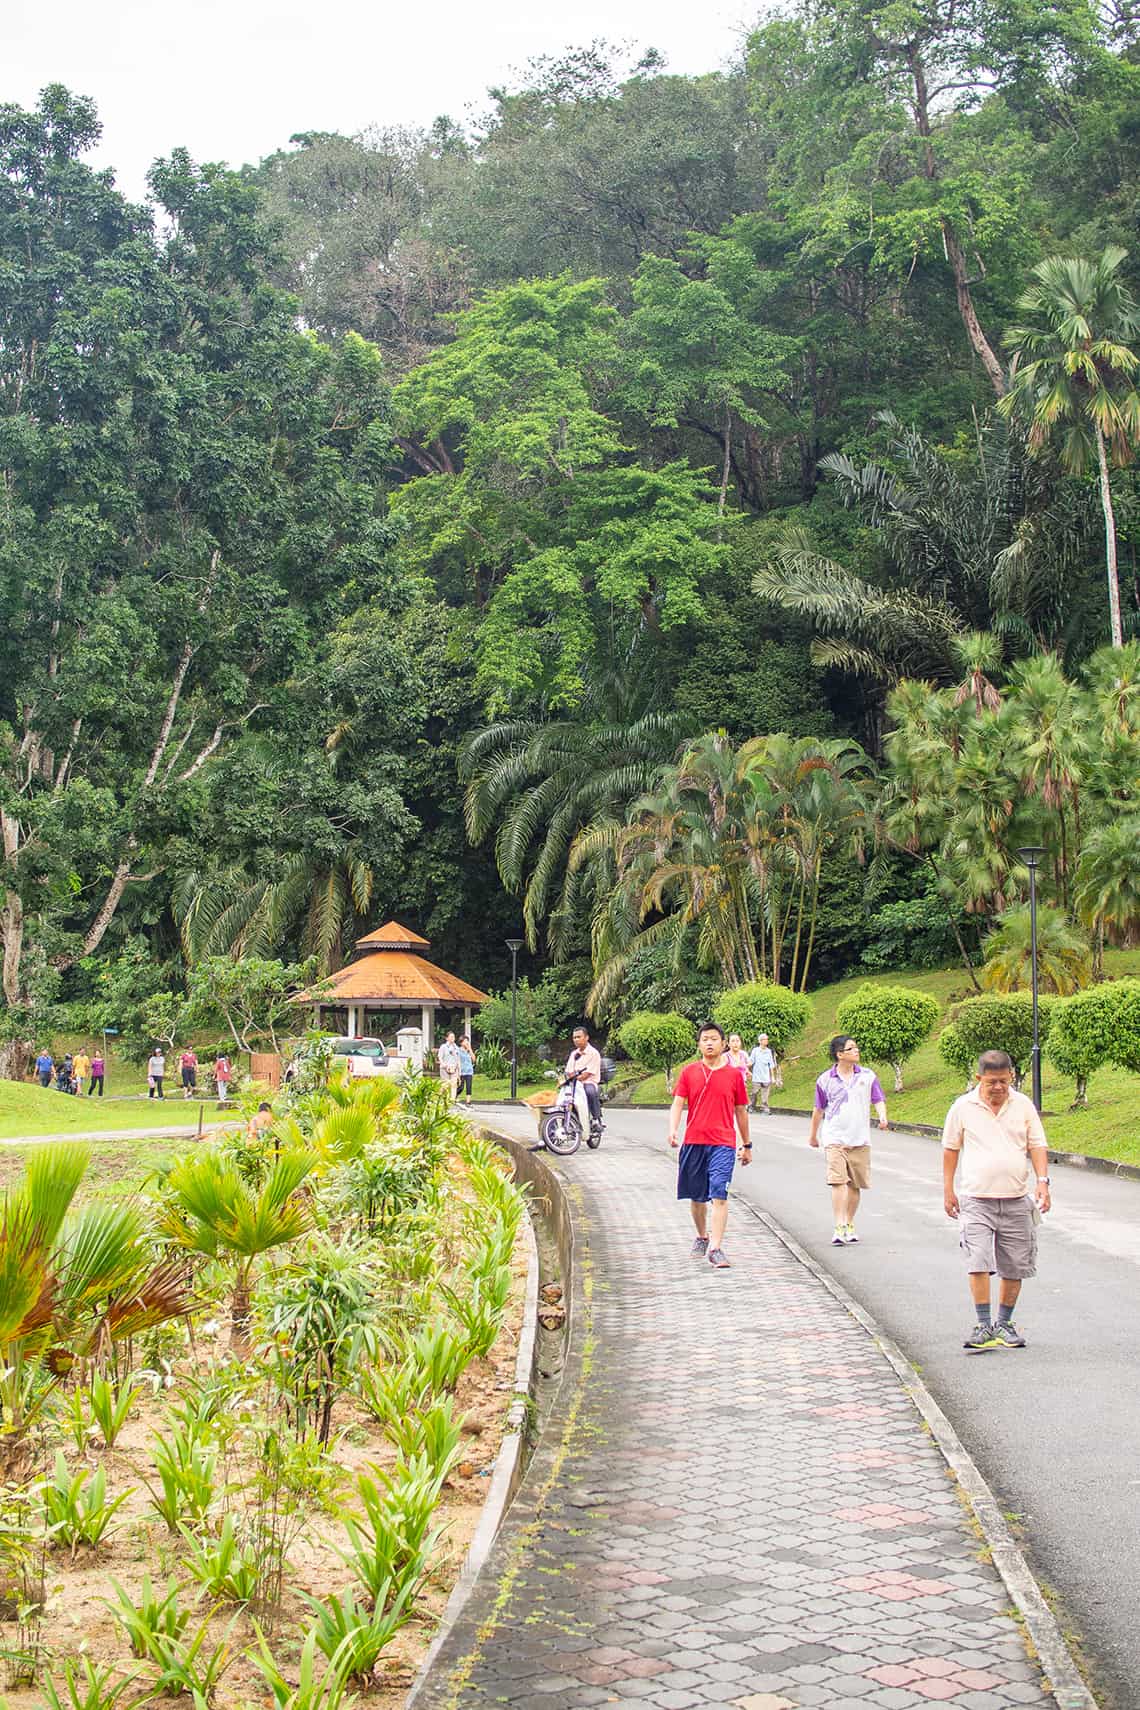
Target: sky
x=232 y=80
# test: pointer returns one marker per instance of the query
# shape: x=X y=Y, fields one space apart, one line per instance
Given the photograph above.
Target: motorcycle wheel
x=562 y=1133
x=594 y=1140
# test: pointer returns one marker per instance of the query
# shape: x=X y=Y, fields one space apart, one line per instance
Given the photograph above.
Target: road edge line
x=1066 y=1685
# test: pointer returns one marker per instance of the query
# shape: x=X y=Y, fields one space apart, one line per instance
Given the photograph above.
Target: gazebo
x=388 y=973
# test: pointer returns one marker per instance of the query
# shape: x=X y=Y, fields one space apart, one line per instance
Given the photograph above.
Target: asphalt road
x=1055 y=1428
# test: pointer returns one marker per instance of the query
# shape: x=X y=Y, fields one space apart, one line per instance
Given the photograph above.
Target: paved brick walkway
x=739 y=1506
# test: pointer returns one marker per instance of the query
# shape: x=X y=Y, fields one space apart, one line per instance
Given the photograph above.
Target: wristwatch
x=1043 y=1181
x=746 y=1145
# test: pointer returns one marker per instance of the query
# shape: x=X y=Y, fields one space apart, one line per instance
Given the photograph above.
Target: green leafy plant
x=1000 y=1024
x=111 y=1405
x=1094 y=1028
x=85 y=1687
x=76 y=1508
x=659 y=1041
x=210 y=1209
x=312 y=1692
x=889 y=1022
x=148 y=1615
x=226 y=1568
x=185 y=1458
x=190 y=1667
x=320 y=1319
x=389 y=1545
x=480 y=1313
x=758 y=1008
x=352 y=1636
x=435 y=1433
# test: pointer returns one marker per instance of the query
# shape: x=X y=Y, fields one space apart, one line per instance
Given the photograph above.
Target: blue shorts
x=704 y=1172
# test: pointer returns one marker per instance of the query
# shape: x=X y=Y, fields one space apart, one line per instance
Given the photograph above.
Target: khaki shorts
x=849 y=1166
x=999 y=1235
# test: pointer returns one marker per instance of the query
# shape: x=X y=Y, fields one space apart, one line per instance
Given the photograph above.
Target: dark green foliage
x=1093 y=1028
x=658 y=1040
x=996 y=1024
x=758 y=1008
x=889 y=1023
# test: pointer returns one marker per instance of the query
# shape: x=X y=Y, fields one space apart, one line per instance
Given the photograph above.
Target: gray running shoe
x=1008 y=1336
x=981 y=1338
x=719 y=1259
x=699 y=1247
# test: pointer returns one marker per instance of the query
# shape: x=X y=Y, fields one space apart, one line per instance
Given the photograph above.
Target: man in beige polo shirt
x=993 y=1135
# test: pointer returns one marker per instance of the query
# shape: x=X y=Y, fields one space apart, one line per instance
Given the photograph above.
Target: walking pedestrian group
x=995 y=1160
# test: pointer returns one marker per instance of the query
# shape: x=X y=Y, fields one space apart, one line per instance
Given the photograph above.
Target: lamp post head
x=514 y=945
x=1031 y=855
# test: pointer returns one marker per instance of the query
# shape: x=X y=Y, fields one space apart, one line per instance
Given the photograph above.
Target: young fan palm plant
x=73 y=1283
x=210 y=1209
x=1064 y=962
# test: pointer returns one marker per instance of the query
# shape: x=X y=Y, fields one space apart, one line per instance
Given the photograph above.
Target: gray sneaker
x=1008 y=1336
x=719 y=1259
x=981 y=1338
x=699 y=1248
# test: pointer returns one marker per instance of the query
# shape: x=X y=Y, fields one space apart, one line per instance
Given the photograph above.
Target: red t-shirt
x=713 y=1097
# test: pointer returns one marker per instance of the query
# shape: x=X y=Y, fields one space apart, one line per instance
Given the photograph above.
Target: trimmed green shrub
x=659 y=1040
x=758 y=1008
x=890 y=1023
x=1002 y=1023
x=954 y=1052
x=1094 y=1028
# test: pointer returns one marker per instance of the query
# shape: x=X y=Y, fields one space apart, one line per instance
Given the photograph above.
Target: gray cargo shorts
x=999 y=1235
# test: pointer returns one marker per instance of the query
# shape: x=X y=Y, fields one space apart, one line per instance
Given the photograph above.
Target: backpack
x=609 y=1069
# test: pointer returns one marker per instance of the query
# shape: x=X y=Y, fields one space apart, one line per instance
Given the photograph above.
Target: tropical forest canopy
x=388 y=528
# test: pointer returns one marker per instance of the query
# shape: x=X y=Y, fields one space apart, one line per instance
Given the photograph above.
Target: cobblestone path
x=738 y=1505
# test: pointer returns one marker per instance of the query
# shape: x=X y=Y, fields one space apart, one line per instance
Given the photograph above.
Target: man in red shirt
x=717 y=1102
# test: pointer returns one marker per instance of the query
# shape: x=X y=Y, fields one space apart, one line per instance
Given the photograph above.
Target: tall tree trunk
x=727 y=461
x=954 y=255
x=13 y=915
x=1109 y=542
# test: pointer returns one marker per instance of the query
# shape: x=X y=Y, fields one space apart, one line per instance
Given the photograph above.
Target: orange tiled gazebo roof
x=388 y=973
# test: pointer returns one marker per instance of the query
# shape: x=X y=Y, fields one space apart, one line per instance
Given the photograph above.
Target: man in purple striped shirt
x=845 y=1095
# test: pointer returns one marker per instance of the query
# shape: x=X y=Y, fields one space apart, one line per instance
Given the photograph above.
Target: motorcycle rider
x=585 y=1061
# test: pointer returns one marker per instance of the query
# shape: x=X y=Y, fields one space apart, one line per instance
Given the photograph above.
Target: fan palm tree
x=73 y=1282
x=231 y=911
x=1073 y=370
x=210 y=1209
x=1107 y=889
x=538 y=783
x=976 y=547
x=1063 y=954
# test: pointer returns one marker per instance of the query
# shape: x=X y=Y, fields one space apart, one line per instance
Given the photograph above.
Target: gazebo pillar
x=467 y=1019
x=352 y=1034
x=426 y=1015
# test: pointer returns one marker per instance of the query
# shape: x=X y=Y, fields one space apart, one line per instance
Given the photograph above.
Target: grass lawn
x=28 y=1108
x=1110 y=1128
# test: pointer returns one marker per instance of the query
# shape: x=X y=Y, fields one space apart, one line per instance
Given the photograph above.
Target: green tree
x=761 y=1008
x=890 y=1023
x=210 y=1209
x=1107 y=891
x=658 y=1040
x=1074 y=371
x=998 y=1024
x=252 y=996
x=1064 y=960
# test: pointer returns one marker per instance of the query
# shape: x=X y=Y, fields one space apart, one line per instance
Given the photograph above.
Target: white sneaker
x=839 y=1239
x=849 y=1235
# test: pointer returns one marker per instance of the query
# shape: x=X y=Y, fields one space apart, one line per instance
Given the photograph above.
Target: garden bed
x=284 y=1496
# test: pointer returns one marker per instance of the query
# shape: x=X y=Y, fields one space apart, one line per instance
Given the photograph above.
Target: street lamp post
x=1032 y=856
x=514 y=945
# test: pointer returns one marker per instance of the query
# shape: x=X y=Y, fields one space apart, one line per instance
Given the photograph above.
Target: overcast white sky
x=234 y=79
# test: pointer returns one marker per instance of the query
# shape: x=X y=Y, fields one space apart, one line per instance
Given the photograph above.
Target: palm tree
x=968 y=548
x=538 y=783
x=73 y=1282
x=1073 y=369
x=210 y=1209
x=1063 y=955
x=231 y=911
x=1107 y=890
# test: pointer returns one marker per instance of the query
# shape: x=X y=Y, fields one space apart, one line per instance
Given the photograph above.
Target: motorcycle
x=568 y=1121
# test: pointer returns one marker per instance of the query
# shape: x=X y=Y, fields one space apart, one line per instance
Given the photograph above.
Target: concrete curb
x=505 y=1479
x=1062 y=1674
